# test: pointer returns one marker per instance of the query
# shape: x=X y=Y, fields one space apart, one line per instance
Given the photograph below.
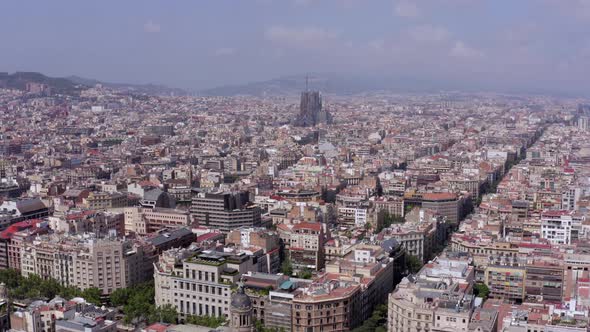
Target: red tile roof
x=19 y=226
x=308 y=225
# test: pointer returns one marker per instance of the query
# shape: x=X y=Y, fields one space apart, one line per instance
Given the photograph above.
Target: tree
x=376 y=322
x=10 y=277
x=481 y=290
x=413 y=263
x=140 y=305
x=50 y=288
x=165 y=314
x=208 y=321
x=92 y=295
x=389 y=219
x=287 y=267
x=120 y=297
x=259 y=327
x=70 y=292
x=305 y=273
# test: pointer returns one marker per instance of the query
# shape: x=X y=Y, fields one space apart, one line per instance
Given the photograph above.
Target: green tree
x=287 y=267
x=50 y=288
x=388 y=220
x=306 y=273
x=11 y=278
x=70 y=292
x=413 y=263
x=481 y=290
x=120 y=297
x=212 y=322
x=140 y=304
x=165 y=314
x=259 y=327
x=92 y=295
x=376 y=322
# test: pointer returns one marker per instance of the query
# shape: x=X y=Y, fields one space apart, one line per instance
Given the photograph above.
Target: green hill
x=19 y=81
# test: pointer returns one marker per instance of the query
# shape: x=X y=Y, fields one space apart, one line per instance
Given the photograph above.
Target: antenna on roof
x=306 y=82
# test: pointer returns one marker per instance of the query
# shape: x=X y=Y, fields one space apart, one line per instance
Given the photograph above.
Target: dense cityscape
x=295 y=166
x=379 y=212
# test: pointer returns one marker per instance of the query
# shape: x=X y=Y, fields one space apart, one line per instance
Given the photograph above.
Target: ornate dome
x=240 y=300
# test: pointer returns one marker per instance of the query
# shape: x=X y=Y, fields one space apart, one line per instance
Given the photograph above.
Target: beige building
x=196 y=283
x=327 y=305
x=437 y=299
x=104 y=200
x=143 y=221
x=305 y=243
x=420 y=234
x=87 y=261
x=393 y=205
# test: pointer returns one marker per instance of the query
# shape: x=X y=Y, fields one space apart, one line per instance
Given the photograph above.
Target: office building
x=225 y=211
x=198 y=283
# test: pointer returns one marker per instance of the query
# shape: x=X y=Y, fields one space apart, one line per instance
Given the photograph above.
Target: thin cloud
x=461 y=50
x=428 y=33
x=406 y=8
x=151 y=27
x=224 y=51
x=305 y=37
x=302 y=2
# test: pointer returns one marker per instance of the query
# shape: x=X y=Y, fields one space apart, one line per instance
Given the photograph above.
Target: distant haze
x=521 y=45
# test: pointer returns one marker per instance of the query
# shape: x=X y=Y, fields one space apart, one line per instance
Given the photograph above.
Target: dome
x=240 y=300
x=57 y=300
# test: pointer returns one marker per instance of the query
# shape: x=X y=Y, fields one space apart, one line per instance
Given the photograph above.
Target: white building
x=556 y=226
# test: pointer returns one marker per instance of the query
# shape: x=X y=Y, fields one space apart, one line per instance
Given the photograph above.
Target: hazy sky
x=197 y=44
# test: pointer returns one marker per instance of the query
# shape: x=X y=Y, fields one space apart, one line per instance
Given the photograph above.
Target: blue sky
x=524 y=44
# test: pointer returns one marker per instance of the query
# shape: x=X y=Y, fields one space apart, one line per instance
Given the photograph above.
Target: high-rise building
x=310 y=110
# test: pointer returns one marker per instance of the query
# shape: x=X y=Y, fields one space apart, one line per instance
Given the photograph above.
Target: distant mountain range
x=327 y=83
x=73 y=84
x=150 y=89
x=349 y=84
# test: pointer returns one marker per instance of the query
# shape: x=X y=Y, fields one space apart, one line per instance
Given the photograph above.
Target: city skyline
x=295 y=166
x=500 y=45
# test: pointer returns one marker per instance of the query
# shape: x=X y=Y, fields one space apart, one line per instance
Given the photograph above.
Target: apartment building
x=445 y=204
x=545 y=281
x=11 y=240
x=87 y=261
x=393 y=205
x=557 y=226
x=254 y=239
x=305 y=243
x=327 y=305
x=374 y=268
x=420 y=234
x=272 y=296
x=90 y=221
x=506 y=282
x=104 y=200
x=438 y=298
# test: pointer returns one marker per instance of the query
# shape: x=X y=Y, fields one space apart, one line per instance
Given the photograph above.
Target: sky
x=196 y=44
